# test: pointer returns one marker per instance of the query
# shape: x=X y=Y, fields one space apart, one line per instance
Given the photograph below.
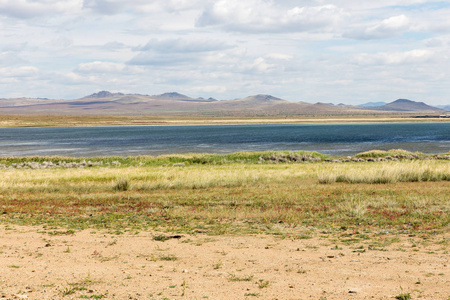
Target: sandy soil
x=99 y=265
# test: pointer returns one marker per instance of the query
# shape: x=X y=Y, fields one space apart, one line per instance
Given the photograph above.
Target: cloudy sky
x=305 y=50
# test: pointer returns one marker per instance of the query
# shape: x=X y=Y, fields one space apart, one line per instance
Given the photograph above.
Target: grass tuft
x=403 y=297
x=121 y=185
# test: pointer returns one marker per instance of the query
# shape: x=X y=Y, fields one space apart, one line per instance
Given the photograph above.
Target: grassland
x=265 y=225
x=230 y=194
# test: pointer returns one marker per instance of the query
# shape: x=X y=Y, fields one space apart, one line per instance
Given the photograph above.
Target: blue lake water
x=335 y=139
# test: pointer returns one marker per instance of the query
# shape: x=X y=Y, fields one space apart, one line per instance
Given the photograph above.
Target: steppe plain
x=270 y=225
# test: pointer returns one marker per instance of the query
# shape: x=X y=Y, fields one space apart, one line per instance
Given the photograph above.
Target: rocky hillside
x=107 y=103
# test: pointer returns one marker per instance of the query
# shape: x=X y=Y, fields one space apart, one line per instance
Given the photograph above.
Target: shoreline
x=25 y=121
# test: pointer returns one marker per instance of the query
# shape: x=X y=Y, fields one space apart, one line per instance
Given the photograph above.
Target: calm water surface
x=336 y=139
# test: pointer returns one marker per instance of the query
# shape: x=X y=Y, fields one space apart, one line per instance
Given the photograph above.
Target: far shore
x=16 y=121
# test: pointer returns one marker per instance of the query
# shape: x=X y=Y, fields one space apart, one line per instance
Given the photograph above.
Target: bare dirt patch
x=37 y=263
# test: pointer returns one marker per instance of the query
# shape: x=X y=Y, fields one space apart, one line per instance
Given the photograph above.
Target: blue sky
x=314 y=50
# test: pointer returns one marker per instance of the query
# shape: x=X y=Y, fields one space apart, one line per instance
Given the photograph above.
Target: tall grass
x=231 y=197
x=389 y=172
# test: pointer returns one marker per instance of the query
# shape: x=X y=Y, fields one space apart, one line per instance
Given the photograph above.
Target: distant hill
x=103 y=94
x=173 y=103
x=444 y=107
x=372 y=104
x=266 y=99
x=256 y=100
x=14 y=102
x=181 y=97
x=407 y=105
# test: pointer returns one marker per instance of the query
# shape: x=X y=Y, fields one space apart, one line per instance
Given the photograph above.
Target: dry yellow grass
x=143 y=120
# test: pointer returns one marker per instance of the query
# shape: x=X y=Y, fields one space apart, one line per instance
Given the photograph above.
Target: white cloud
x=73 y=78
x=10 y=58
x=35 y=8
x=396 y=58
x=177 y=51
x=19 y=72
x=259 y=65
x=267 y=16
x=387 y=28
x=379 y=4
x=162 y=60
x=210 y=89
x=279 y=56
x=112 y=7
x=183 y=45
x=107 y=7
x=106 y=67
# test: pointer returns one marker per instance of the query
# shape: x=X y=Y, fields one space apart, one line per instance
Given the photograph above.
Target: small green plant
x=88 y=279
x=160 y=238
x=14 y=266
x=218 y=265
x=67 y=250
x=403 y=297
x=184 y=288
x=68 y=291
x=169 y=257
x=263 y=284
x=235 y=278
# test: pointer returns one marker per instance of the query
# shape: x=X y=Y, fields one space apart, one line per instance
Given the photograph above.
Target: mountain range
x=107 y=103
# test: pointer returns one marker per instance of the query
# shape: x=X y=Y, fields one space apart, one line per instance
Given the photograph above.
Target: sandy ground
x=101 y=265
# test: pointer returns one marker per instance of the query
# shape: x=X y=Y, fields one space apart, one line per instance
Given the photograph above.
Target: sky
x=340 y=51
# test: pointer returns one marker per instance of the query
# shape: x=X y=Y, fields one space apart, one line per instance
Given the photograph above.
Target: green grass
x=237 y=193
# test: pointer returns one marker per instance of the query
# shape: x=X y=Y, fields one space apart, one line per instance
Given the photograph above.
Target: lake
x=335 y=139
